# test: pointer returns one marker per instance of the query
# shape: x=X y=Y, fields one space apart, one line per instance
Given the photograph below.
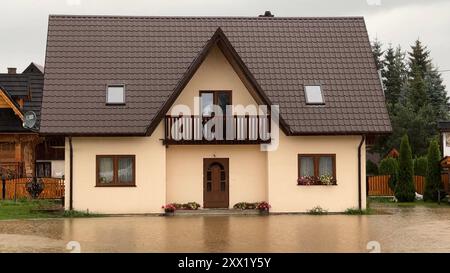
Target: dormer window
x=313 y=94
x=115 y=94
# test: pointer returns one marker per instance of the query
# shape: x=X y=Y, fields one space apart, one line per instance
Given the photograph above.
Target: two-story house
x=216 y=110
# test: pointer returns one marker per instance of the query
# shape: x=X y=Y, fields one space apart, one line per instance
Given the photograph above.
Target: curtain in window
x=106 y=169
x=207 y=101
x=223 y=99
x=43 y=169
x=125 y=170
x=306 y=166
x=325 y=165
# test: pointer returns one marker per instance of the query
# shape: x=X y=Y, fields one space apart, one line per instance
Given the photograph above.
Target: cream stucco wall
x=247 y=175
x=149 y=194
x=286 y=196
x=214 y=74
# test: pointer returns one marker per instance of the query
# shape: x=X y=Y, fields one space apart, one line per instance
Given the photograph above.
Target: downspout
x=71 y=174
x=363 y=139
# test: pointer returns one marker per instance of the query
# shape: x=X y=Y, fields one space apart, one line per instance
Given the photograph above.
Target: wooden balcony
x=11 y=169
x=192 y=129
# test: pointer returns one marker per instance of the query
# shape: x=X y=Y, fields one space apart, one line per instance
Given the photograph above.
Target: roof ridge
x=279 y=18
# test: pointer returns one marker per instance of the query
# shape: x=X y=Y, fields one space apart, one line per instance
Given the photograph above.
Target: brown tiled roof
x=152 y=55
x=27 y=86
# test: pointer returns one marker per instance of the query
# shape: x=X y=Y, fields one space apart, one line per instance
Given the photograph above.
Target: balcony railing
x=217 y=130
x=12 y=169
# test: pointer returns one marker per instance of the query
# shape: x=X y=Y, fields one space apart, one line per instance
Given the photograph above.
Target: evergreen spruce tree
x=424 y=79
x=419 y=58
x=415 y=97
x=393 y=74
x=417 y=93
x=404 y=188
x=378 y=53
x=437 y=95
x=433 y=178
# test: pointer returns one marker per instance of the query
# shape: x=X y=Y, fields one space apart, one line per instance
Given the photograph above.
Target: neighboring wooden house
x=20 y=93
x=115 y=87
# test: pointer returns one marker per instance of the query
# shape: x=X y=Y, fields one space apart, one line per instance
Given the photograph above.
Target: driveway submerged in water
x=416 y=229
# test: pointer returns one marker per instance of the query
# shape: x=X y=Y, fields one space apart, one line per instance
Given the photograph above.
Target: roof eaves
x=16 y=107
x=340 y=133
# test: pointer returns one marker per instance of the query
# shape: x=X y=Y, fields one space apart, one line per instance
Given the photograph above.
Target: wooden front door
x=215 y=183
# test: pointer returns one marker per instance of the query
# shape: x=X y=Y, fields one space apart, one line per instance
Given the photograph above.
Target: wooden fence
x=16 y=188
x=379 y=185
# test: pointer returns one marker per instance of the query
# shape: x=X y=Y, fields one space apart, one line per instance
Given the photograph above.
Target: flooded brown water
x=418 y=229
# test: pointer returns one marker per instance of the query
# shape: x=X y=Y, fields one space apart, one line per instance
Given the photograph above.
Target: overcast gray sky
x=23 y=23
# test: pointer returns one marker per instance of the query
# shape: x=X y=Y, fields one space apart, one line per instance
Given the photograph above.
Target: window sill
x=115 y=186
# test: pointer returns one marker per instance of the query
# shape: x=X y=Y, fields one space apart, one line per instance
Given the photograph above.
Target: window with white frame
x=313 y=94
x=115 y=94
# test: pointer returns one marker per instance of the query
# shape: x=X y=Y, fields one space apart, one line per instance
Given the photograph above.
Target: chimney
x=267 y=14
x=12 y=70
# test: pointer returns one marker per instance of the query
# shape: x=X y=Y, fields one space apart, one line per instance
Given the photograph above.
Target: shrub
x=317 y=211
x=79 y=214
x=245 y=205
x=186 y=206
x=356 y=211
x=192 y=206
x=420 y=166
x=404 y=188
x=389 y=166
x=433 y=174
x=371 y=168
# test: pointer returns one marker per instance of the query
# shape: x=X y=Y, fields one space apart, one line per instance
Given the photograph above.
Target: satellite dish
x=30 y=119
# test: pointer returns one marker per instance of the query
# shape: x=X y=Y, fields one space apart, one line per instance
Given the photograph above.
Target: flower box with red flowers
x=263 y=207
x=169 y=208
x=323 y=180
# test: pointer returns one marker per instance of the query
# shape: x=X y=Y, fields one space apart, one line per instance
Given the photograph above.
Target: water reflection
x=417 y=229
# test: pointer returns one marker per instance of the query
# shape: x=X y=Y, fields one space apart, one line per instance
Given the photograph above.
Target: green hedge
x=389 y=166
x=420 y=166
x=404 y=188
x=433 y=178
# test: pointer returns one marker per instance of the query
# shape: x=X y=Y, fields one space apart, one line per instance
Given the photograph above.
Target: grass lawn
x=29 y=209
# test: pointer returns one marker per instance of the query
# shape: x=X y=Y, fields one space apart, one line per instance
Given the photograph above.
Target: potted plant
x=34 y=187
x=263 y=208
x=169 y=209
x=191 y=206
x=306 y=180
x=327 y=180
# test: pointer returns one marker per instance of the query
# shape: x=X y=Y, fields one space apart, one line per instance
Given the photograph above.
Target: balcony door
x=210 y=98
x=215 y=183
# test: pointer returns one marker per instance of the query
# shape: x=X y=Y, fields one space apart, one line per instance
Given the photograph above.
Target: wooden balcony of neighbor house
x=12 y=169
x=191 y=129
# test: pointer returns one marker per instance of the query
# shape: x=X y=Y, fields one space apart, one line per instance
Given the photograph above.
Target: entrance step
x=217 y=212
